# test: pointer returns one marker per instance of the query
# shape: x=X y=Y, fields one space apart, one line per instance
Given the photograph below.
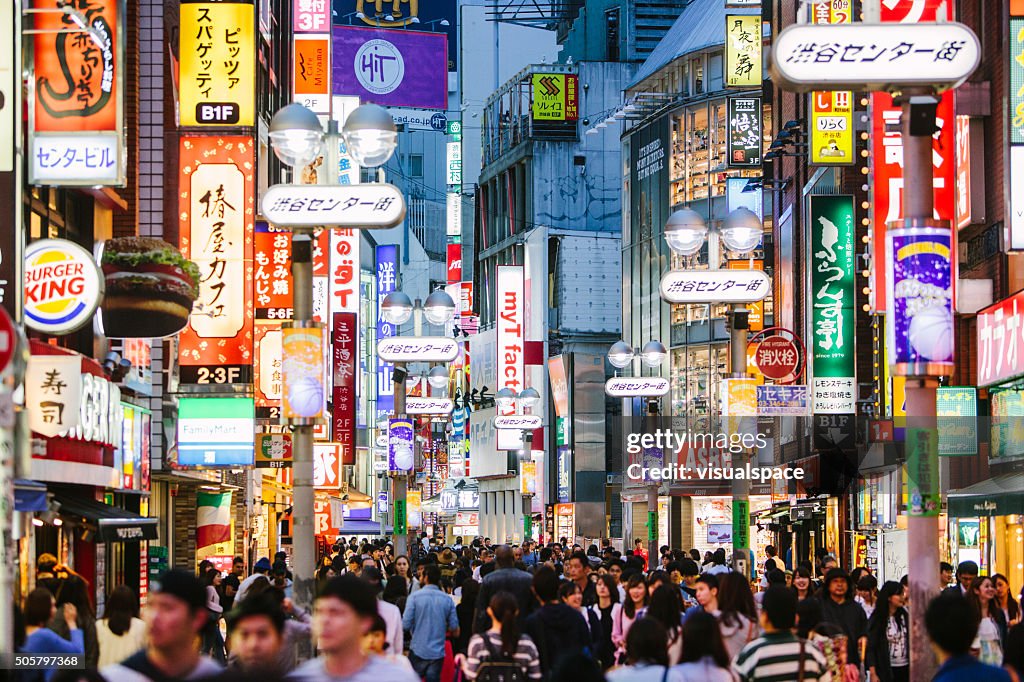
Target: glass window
x=697 y=152
x=611 y=36
x=416 y=165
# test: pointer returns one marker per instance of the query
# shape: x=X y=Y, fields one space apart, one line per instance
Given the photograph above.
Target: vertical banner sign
x=454 y=264
x=511 y=332
x=75 y=94
x=831 y=111
x=453 y=156
x=216 y=203
x=401 y=453
x=555 y=97
x=343 y=283
x=400 y=527
x=302 y=352
x=268 y=370
x=923 y=472
x=311 y=79
x=919 y=326
x=963 y=170
x=217 y=72
x=743 y=51
x=272 y=275
x=745 y=143
x=387 y=281
x=833 y=281
x=414 y=508
x=740 y=523
x=454 y=217
x=344 y=335
x=1016 y=125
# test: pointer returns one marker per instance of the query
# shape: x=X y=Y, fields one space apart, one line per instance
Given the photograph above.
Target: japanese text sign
x=782 y=401
x=311 y=81
x=964 y=198
x=417 y=349
x=53 y=393
x=391 y=68
x=555 y=97
x=216 y=192
x=272 y=275
x=217 y=71
x=777 y=357
x=387 y=281
x=832 y=297
x=326 y=466
x=344 y=352
x=831 y=111
x=511 y=307
x=743 y=48
x=343 y=281
x=956 y=408
x=429 y=406
x=273 y=450
x=745 y=145
x=1001 y=341
x=311 y=16
x=715 y=286
x=216 y=432
x=453 y=215
x=631 y=387
x=268 y=369
x=314 y=206
x=453 y=160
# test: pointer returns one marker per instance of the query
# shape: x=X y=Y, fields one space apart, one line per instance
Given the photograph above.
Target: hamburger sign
x=63 y=286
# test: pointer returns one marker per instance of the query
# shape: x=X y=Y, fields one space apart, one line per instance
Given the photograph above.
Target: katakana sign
x=314 y=206
x=217 y=72
x=417 y=349
x=873 y=56
x=555 y=97
x=428 y=406
x=522 y=422
x=631 y=387
x=715 y=286
x=774 y=400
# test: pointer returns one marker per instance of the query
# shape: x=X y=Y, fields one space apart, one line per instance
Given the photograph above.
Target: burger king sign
x=63 y=286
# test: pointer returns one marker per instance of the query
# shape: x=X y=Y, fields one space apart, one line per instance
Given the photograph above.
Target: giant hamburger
x=150 y=288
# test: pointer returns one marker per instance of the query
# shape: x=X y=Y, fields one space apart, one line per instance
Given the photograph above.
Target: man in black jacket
x=504 y=578
x=966 y=572
x=839 y=609
x=557 y=629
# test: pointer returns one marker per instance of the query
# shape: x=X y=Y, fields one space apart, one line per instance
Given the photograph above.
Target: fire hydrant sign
x=313 y=206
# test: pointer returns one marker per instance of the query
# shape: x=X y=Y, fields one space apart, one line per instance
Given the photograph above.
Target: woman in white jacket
x=120 y=633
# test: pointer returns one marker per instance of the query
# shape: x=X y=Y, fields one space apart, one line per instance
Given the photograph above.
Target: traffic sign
x=777 y=357
x=715 y=286
x=364 y=206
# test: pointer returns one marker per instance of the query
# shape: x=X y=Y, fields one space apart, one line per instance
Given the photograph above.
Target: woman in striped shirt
x=504 y=643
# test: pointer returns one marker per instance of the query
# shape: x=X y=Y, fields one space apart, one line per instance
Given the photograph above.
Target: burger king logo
x=63 y=286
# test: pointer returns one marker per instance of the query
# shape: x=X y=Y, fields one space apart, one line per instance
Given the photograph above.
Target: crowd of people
x=513 y=613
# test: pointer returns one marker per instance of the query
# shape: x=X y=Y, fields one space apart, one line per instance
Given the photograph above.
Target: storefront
x=986 y=525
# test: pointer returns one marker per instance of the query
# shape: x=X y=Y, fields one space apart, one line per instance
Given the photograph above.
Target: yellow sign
x=555 y=97
x=755 y=310
x=528 y=478
x=217 y=74
x=743 y=59
x=832 y=112
x=414 y=509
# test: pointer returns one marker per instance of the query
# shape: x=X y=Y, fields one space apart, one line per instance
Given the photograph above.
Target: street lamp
x=685 y=232
x=507 y=400
x=296 y=136
x=437 y=377
x=742 y=231
x=370 y=135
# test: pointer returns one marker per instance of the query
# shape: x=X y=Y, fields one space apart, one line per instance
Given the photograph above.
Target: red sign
x=777 y=357
x=454 y=263
x=1000 y=341
x=466 y=304
x=8 y=340
x=880 y=431
x=344 y=337
x=963 y=171
x=272 y=275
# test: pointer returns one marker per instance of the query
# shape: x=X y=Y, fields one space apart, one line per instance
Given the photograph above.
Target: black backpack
x=499 y=668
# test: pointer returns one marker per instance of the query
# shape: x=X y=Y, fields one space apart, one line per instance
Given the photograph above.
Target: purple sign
x=921 y=299
x=391 y=68
x=401 y=453
x=387 y=277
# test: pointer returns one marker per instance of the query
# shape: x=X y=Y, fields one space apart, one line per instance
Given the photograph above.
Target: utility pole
x=740 y=487
x=402 y=479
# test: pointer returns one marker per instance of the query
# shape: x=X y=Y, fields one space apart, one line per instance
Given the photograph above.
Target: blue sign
x=782 y=401
x=438 y=121
x=564 y=465
x=387 y=281
x=382 y=502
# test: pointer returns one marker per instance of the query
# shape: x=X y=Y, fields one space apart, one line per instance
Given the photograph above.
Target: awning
x=111 y=523
x=29 y=496
x=997 y=496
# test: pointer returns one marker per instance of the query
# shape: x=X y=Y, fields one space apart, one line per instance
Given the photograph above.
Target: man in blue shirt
x=430 y=617
x=952 y=625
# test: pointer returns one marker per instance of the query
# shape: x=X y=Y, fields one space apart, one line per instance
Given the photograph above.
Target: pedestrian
x=343 y=614
x=706 y=594
x=40 y=609
x=231 y=582
x=688 y=572
x=615 y=568
x=557 y=630
x=829 y=639
x=175 y=616
x=803 y=585
x=605 y=611
x=632 y=609
x=646 y=656
x=778 y=654
x=280 y=576
x=966 y=572
x=298 y=624
x=666 y=607
x=213 y=640
x=73 y=589
x=466 y=612
x=430 y=617
x=867 y=593
x=569 y=594
x=501 y=648
x=505 y=578
x=838 y=608
x=988 y=646
x=718 y=566
x=396 y=592
x=261 y=569
x=391 y=614
x=638 y=550
x=945 y=575
x=120 y=632
x=256 y=635
x=375 y=643
x=888 y=651
x=952 y=624
x=774 y=577
x=1005 y=601
x=705 y=658
x=578 y=571
x=736 y=613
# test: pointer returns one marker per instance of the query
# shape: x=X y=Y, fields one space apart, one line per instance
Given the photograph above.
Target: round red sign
x=777 y=357
x=8 y=340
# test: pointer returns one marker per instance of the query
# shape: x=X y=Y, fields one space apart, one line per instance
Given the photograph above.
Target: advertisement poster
x=216 y=432
x=302 y=350
x=391 y=68
x=311 y=81
x=401 y=453
x=555 y=97
x=832 y=111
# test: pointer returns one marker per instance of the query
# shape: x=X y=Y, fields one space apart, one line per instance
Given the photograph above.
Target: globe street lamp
x=370 y=135
x=507 y=400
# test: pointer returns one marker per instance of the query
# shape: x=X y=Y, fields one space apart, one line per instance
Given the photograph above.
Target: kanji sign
x=311 y=16
x=367 y=206
x=344 y=354
x=777 y=357
x=874 y=56
x=417 y=349
x=387 y=280
x=743 y=47
x=715 y=286
x=628 y=387
x=217 y=72
x=272 y=275
x=522 y=422
x=831 y=127
x=428 y=406
x=326 y=466
x=774 y=400
x=555 y=97
x=745 y=144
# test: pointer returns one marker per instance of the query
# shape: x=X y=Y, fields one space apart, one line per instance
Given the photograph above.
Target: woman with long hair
x=401 y=568
x=888 y=651
x=465 y=610
x=633 y=607
x=988 y=645
x=705 y=658
x=502 y=644
x=646 y=655
x=737 y=614
x=40 y=609
x=1005 y=600
x=570 y=594
x=667 y=608
x=803 y=583
x=120 y=632
x=604 y=611
x=213 y=640
x=396 y=592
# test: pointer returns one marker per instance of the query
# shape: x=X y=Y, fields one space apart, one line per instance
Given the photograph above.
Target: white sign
x=454 y=214
x=10 y=84
x=365 y=206
x=270 y=357
x=389 y=75
x=53 y=393
x=873 y=56
x=326 y=467
x=348 y=169
x=521 y=422
x=428 y=406
x=1017 y=197
x=380 y=466
x=418 y=119
x=715 y=286
x=63 y=286
x=63 y=159
x=629 y=387
x=417 y=349
x=454 y=163
x=511 y=308
x=343 y=273
x=834 y=395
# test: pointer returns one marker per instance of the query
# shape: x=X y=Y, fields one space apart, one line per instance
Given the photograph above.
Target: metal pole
x=401 y=481
x=303 y=544
x=740 y=487
x=922 y=531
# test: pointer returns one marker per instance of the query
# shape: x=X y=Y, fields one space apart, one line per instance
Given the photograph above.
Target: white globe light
x=742 y=231
x=396 y=308
x=370 y=135
x=437 y=377
x=439 y=307
x=685 y=232
x=505 y=399
x=529 y=398
x=296 y=135
x=653 y=353
x=620 y=354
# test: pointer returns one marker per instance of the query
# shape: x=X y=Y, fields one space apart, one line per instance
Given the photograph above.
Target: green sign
x=956 y=408
x=454 y=129
x=527 y=527
x=400 y=527
x=652 y=529
x=740 y=524
x=923 y=471
x=562 y=430
x=833 y=291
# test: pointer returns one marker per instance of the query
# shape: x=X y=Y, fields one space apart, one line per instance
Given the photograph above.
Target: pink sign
x=312 y=16
x=1001 y=341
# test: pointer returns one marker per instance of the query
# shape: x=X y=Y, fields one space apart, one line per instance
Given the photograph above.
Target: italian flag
x=214 y=518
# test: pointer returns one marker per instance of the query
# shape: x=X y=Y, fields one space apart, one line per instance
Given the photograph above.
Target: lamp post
x=507 y=400
x=653 y=354
x=397 y=308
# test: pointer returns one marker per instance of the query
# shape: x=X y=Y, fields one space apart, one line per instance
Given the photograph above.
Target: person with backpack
x=501 y=653
x=558 y=630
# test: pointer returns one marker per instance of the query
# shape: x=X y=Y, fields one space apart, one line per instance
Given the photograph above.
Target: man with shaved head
x=505 y=578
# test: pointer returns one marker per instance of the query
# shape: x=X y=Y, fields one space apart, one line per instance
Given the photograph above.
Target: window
x=416 y=165
x=611 y=40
